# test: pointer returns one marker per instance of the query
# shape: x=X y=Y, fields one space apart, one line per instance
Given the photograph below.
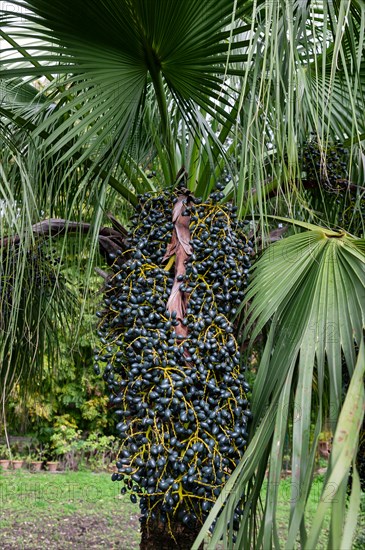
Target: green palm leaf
x=310 y=287
x=110 y=57
x=345 y=443
x=36 y=303
x=114 y=52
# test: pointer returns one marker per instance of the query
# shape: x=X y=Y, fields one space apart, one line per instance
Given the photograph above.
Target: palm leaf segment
x=223 y=61
x=311 y=286
x=110 y=54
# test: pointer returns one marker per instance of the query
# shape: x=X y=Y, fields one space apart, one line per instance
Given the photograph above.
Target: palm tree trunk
x=158 y=536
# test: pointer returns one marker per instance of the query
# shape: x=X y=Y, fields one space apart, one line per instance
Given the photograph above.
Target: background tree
x=267 y=96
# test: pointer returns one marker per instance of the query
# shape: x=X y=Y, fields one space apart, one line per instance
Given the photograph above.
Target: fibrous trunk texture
x=157 y=536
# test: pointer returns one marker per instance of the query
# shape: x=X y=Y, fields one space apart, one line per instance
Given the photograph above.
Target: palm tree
x=267 y=96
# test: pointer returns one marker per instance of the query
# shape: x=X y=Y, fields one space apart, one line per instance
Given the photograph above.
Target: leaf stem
x=156 y=77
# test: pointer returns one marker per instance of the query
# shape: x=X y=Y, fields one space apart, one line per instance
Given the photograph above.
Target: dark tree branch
x=110 y=239
x=116 y=225
x=102 y=273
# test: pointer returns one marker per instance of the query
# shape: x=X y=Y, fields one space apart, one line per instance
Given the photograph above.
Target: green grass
x=64 y=510
x=86 y=510
x=64 y=491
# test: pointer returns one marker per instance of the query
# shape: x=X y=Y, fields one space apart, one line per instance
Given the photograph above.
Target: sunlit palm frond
x=345 y=443
x=310 y=287
x=109 y=55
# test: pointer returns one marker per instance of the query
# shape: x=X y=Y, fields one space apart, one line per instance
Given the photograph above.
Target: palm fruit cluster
x=329 y=168
x=170 y=357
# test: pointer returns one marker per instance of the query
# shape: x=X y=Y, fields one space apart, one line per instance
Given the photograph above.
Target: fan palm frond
x=310 y=288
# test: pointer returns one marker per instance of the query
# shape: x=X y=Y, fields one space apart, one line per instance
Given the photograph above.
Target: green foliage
x=74 y=390
x=135 y=62
x=35 y=302
x=316 y=317
x=4 y=452
x=101 y=450
x=64 y=408
x=96 y=451
x=66 y=441
x=329 y=188
x=359 y=541
x=236 y=89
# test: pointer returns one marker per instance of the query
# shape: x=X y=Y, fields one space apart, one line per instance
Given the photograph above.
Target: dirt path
x=78 y=531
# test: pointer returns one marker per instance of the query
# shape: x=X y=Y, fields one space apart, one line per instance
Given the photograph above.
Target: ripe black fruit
x=176 y=381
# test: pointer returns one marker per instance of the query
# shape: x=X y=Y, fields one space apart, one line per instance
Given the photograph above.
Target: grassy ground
x=65 y=510
x=86 y=510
